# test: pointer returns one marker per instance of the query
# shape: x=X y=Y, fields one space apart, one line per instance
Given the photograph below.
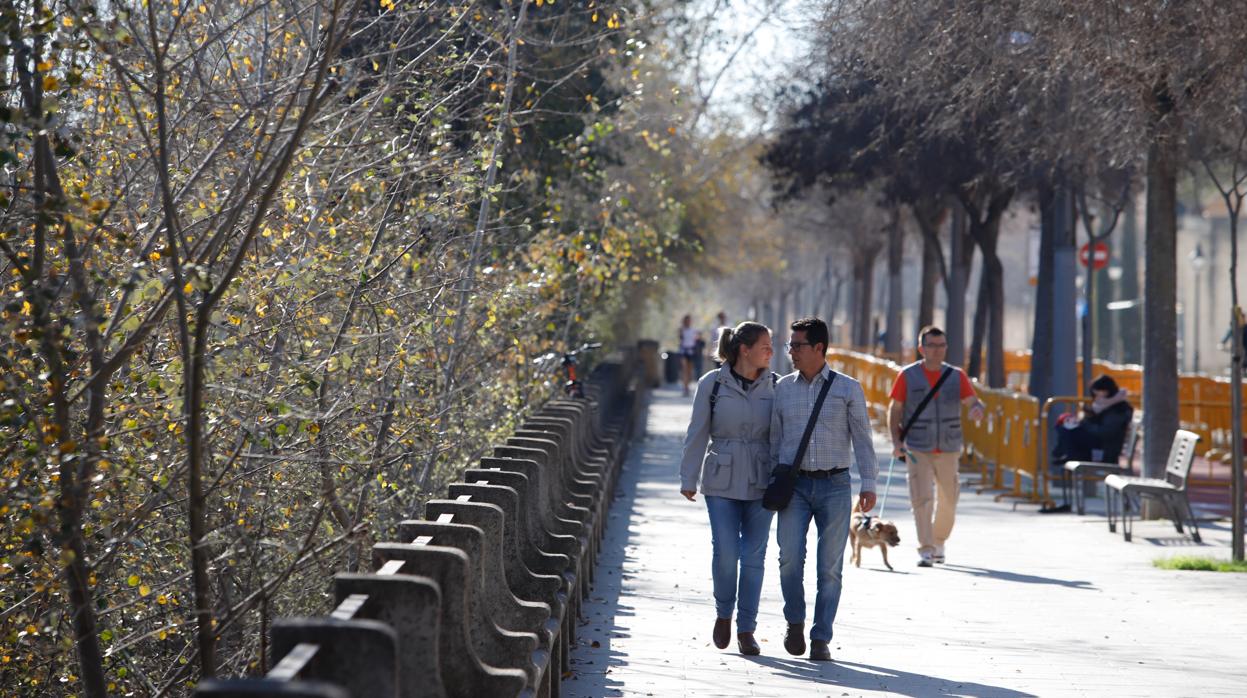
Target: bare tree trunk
x=864 y=290
x=930 y=279
x=1160 y=331
x=960 y=252
x=1233 y=196
x=826 y=303
x=837 y=291
x=1064 y=347
x=928 y=213
x=1129 y=318
x=1039 y=384
x=896 y=258
x=1236 y=412
x=76 y=462
x=985 y=218
x=977 y=336
x=783 y=312
x=994 y=272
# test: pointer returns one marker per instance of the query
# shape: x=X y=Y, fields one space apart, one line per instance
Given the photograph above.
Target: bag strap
x=809 y=427
x=714 y=393
x=925 y=401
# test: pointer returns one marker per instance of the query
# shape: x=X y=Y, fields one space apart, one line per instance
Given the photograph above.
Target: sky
x=759 y=45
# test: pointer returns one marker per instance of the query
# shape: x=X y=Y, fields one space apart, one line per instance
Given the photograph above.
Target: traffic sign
x=1101 y=255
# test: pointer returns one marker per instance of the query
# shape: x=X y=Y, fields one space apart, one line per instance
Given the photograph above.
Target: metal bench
x=1171 y=490
x=1077 y=471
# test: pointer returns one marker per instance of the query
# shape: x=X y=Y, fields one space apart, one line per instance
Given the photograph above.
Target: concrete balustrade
x=481 y=597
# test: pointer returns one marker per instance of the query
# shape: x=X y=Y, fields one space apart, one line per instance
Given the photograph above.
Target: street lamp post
x=1198 y=263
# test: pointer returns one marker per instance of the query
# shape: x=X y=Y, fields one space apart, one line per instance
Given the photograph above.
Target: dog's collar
x=865 y=524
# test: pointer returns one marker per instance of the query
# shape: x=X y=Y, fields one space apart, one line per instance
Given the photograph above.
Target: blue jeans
x=827 y=502
x=738 y=531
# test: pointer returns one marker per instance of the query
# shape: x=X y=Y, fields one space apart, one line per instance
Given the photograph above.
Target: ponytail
x=728 y=349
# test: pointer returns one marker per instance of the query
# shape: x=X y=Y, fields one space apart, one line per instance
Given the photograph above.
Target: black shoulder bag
x=784 y=478
x=922 y=406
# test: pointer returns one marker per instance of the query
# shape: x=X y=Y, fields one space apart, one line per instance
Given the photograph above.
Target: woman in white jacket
x=727 y=447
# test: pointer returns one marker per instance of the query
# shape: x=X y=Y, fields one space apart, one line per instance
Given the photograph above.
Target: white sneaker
x=925 y=559
x=938 y=556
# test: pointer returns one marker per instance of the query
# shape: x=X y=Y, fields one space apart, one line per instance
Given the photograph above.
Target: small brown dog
x=867 y=531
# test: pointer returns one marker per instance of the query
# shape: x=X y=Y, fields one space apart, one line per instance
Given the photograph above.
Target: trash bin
x=671 y=366
x=647 y=355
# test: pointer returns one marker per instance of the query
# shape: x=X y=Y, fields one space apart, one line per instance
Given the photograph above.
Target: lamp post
x=1198 y=264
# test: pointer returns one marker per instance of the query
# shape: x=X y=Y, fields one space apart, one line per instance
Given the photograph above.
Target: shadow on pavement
x=867 y=677
x=1176 y=541
x=1016 y=577
x=594 y=658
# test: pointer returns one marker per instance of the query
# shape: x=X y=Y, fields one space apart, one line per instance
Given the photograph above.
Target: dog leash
x=883 y=503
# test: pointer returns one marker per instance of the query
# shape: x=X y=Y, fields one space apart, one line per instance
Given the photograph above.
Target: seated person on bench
x=1100 y=434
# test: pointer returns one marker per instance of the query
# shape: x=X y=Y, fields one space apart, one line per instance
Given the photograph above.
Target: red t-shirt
x=900 y=390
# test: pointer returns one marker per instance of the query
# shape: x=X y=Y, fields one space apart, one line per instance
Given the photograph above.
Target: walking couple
x=746 y=422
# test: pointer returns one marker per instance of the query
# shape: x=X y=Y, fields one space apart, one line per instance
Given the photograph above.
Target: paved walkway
x=1027 y=605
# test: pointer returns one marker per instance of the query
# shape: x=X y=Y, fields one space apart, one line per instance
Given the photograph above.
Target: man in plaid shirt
x=841 y=435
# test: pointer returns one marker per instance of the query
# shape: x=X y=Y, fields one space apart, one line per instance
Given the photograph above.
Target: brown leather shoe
x=748 y=646
x=819 y=651
x=794 y=639
x=722 y=632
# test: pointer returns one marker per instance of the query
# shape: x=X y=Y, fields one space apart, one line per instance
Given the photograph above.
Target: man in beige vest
x=933 y=439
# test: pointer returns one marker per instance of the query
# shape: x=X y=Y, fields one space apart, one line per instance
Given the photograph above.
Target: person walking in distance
x=840 y=435
x=924 y=419
x=728 y=446
x=688 y=347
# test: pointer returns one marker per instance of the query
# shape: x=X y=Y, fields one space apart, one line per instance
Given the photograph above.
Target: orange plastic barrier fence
x=1203 y=401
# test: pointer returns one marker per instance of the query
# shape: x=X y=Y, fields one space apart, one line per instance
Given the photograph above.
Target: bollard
x=496 y=600
x=524 y=582
x=465 y=673
x=411 y=605
x=359 y=655
x=531 y=519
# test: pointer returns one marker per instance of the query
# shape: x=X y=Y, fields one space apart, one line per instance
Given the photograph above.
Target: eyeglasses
x=792 y=345
x=943 y=345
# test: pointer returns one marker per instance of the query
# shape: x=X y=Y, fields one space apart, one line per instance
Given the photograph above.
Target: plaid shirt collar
x=824 y=374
